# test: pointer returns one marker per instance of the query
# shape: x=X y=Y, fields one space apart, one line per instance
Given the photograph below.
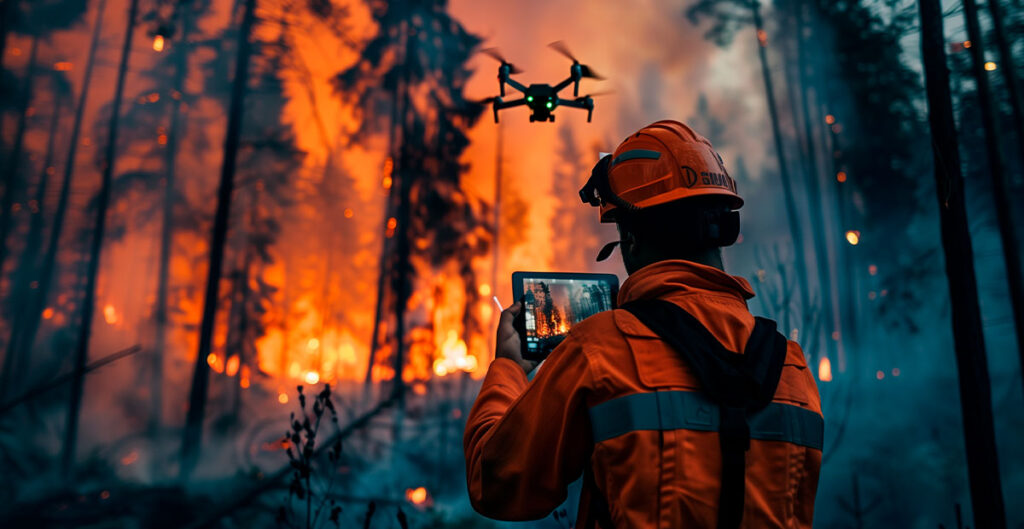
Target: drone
x=543 y=99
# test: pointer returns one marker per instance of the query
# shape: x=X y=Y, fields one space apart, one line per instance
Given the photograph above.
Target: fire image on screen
x=553 y=306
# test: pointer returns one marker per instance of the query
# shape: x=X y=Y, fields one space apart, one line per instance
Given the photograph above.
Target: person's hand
x=507 y=343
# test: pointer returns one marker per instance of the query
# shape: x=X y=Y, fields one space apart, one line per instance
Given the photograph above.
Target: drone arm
x=578 y=103
x=501 y=105
x=561 y=86
x=515 y=84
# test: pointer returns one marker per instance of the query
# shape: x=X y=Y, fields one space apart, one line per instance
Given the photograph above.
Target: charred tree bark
x=7 y=11
x=1000 y=195
x=160 y=318
x=21 y=347
x=26 y=276
x=192 y=438
x=88 y=304
x=402 y=271
x=780 y=152
x=11 y=183
x=1009 y=69
x=968 y=338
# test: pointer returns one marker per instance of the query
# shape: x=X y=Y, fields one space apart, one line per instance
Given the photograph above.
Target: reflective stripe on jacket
x=615 y=398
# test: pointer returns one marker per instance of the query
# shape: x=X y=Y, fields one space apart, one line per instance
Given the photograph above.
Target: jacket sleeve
x=525 y=442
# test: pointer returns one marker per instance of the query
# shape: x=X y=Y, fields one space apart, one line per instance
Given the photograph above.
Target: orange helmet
x=662 y=162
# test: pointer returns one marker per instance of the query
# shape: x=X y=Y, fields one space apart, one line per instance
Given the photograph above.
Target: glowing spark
x=282 y=398
x=967 y=44
x=232 y=366
x=158 y=43
x=872 y=269
x=841 y=176
x=853 y=237
x=830 y=119
x=485 y=290
x=313 y=343
x=62 y=66
x=880 y=374
x=417 y=496
x=47 y=313
x=348 y=213
x=386 y=182
x=312 y=377
x=110 y=314
x=990 y=66
x=825 y=369
x=132 y=457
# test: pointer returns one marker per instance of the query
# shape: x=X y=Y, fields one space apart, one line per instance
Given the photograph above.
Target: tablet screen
x=553 y=304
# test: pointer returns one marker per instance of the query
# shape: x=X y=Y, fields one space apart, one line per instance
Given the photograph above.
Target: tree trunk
x=400 y=274
x=160 y=318
x=23 y=347
x=815 y=198
x=968 y=338
x=1000 y=195
x=787 y=189
x=1009 y=70
x=11 y=183
x=88 y=304
x=7 y=12
x=26 y=276
x=191 y=442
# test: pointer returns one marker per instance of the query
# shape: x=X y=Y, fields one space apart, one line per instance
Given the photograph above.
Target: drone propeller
x=495 y=54
x=585 y=70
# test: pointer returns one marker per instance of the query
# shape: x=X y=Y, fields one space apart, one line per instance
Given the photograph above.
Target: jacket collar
x=666 y=279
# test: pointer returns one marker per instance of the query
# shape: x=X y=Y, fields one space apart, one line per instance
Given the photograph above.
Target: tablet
x=554 y=302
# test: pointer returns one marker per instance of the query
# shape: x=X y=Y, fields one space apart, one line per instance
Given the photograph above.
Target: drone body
x=542 y=99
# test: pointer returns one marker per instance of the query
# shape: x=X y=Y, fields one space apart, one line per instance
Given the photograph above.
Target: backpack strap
x=740 y=384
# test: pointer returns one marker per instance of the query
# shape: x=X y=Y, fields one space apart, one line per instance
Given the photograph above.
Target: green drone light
x=549 y=104
x=529 y=99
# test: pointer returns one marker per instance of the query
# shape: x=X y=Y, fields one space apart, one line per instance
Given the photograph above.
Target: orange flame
x=825 y=369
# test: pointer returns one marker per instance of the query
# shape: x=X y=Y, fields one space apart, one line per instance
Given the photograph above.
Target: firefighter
x=679 y=408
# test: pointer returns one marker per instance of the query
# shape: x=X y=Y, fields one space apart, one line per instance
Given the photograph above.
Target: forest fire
x=218 y=216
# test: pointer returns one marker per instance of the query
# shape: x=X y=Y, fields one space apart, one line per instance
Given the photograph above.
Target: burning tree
x=433 y=229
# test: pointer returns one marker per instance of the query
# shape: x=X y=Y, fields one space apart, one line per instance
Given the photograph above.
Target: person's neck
x=711 y=257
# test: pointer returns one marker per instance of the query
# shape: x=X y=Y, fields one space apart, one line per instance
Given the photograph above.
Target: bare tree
x=191 y=441
x=968 y=338
x=85 y=331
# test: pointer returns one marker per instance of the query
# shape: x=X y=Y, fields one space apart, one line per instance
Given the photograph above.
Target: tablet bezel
x=518 y=280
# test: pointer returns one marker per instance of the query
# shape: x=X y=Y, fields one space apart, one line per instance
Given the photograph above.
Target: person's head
x=668 y=192
x=694 y=229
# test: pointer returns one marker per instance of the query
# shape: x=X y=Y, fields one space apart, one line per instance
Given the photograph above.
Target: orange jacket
x=526 y=441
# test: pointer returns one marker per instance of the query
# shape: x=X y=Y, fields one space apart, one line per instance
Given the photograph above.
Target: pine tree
x=431 y=223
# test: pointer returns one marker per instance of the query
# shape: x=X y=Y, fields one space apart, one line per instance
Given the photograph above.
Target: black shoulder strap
x=739 y=383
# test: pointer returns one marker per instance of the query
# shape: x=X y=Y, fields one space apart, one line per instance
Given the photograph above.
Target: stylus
x=498 y=303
